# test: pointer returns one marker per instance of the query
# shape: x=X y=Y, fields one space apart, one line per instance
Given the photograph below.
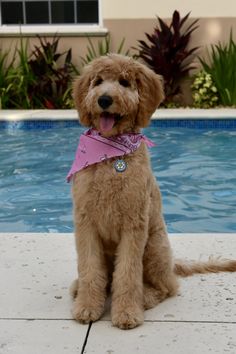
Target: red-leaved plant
x=168 y=53
x=52 y=80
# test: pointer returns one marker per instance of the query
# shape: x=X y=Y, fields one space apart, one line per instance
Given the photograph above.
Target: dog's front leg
x=127 y=285
x=91 y=291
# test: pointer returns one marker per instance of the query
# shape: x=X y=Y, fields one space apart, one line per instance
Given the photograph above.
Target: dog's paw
x=127 y=319
x=86 y=314
x=152 y=297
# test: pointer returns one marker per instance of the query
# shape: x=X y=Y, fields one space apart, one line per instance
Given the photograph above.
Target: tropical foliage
x=41 y=79
x=53 y=73
x=167 y=52
x=220 y=65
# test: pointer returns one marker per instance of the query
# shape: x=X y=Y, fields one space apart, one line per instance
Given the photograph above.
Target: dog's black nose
x=105 y=101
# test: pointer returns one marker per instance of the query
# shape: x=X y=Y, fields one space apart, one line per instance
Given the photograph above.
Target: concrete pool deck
x=36 y=271
x=71 y=114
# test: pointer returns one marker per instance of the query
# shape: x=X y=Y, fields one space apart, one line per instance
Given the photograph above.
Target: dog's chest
x=116 y=191
x=108 y=197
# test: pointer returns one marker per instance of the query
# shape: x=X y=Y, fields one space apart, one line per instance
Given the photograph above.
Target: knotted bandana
x=94 y=148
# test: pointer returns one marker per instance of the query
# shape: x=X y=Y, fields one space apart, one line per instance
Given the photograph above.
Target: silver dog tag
x=120 y=165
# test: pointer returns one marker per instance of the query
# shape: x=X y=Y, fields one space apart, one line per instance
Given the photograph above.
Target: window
x=47 y=17
x=49 y=12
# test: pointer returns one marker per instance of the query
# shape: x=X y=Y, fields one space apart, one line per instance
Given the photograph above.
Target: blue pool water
x=196 y=171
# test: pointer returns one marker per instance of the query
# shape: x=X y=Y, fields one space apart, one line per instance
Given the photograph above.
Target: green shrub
x=221 y=67
x=6 y=83
x=205 y=94
x=22 y=78
x=168 y=52
x=103 y=47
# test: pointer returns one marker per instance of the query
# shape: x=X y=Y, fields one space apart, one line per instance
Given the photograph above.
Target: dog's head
x=116 y=94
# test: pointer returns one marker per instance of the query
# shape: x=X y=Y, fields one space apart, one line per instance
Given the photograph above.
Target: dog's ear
x=80 y=91
x=151 y=94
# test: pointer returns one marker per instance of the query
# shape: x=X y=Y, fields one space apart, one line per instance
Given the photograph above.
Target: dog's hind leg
x=74 y=288
x=91 y=285
x=159 y=278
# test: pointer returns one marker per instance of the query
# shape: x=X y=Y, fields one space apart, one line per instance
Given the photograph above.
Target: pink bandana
x=94 y=148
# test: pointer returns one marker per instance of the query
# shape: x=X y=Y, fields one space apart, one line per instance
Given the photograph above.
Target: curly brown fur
x=120 y=233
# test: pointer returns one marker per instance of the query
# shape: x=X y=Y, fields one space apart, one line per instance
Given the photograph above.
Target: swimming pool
x=195 y=168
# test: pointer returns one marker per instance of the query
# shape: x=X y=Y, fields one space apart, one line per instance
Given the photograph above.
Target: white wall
x=130 y=9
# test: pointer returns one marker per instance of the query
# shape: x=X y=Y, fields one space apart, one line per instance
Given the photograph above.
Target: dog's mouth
x=108 y=120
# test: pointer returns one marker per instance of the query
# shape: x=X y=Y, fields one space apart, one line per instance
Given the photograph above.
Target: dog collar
x=94 y=148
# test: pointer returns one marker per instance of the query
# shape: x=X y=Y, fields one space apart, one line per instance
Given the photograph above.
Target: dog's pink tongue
x=106 y=122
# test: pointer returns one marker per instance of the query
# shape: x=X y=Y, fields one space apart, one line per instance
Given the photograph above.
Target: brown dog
x=121 y=237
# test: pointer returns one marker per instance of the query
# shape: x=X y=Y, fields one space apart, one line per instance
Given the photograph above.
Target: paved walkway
x=37 y=269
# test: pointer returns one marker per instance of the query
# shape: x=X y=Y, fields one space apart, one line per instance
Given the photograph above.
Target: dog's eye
x=98 y=81
x=124 y=82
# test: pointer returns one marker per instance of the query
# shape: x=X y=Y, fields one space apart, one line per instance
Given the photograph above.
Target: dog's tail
x=212 y=265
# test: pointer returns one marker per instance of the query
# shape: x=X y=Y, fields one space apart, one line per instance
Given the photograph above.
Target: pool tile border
x=38 y=124
x=160 y=123
x=195 y=123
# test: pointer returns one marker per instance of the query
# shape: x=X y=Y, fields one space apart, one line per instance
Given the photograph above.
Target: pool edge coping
x=159 y=114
